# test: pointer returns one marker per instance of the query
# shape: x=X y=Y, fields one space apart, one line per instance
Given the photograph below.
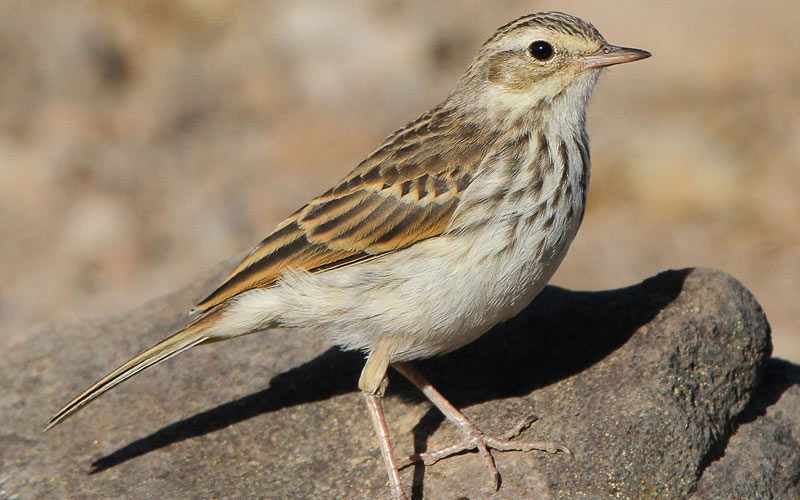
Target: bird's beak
x=611 y=55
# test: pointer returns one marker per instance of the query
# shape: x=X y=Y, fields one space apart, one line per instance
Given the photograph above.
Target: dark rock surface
x=662 y=390
x=762 y=459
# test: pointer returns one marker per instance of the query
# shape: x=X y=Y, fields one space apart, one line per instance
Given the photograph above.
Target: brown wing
x=404 y=192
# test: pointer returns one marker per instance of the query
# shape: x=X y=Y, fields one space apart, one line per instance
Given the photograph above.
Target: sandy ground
x=141 y=143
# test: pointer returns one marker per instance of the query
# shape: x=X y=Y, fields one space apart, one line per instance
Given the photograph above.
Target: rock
x=648 y=385
x=761 y=460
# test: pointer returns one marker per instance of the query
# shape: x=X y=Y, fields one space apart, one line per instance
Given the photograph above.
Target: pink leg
x=475 y=438
x=379 y=421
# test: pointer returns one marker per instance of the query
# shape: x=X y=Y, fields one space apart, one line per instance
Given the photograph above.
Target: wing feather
x=401 y=194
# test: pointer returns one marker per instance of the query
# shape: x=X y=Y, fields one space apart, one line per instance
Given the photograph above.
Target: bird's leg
x=382 y=431
x=373 y=384
x=475 y=438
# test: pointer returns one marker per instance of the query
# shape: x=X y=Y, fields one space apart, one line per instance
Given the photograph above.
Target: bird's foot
x=475 y=439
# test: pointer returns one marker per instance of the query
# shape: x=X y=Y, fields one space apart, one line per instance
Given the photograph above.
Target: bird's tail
x=195 y=333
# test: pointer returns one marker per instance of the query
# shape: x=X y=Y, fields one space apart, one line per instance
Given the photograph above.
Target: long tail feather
x=187 y=338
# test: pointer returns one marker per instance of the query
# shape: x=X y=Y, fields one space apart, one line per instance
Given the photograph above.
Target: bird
x=451 y=225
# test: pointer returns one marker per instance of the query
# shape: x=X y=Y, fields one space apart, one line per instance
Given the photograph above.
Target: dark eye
x=541 y=50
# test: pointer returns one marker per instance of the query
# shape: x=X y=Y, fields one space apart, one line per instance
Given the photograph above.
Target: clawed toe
x=478 y=440
x=474 y=439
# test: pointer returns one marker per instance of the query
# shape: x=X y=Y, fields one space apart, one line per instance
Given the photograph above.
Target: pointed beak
x=611 y=55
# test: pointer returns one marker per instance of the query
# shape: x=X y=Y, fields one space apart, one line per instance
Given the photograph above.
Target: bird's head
x=539 y=58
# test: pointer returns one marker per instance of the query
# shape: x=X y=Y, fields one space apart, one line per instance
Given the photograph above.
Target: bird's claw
x=478 y=440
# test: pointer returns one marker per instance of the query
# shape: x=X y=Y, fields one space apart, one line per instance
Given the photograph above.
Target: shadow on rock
x=777 y=377
x=560 y=334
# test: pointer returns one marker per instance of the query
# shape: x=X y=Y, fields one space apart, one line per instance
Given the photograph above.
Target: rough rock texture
x=762 y=460
x=650 y=386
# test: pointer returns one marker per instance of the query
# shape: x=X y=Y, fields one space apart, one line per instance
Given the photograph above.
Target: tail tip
x=55 y=420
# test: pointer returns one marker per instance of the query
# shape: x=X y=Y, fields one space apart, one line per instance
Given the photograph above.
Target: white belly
x=441 y=293
x=431 y=298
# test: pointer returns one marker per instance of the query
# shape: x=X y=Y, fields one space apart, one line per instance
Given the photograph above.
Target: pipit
x=453 y=224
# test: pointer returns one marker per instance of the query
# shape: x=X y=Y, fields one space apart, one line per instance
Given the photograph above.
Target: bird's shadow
x=560 y=334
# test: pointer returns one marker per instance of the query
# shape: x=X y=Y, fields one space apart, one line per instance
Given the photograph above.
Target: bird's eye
x=541 y=50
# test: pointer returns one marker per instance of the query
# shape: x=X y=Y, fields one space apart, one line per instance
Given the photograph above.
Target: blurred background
x=143 y=142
